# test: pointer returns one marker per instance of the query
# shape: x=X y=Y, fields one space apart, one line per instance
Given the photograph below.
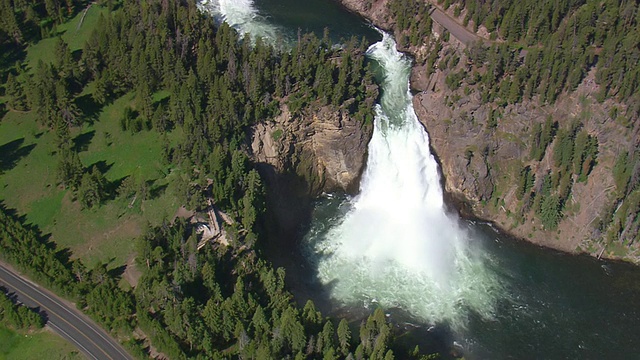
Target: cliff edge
x=301 y=156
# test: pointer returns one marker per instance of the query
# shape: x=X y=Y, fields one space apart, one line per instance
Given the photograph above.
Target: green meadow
x=28 y=164
x=41 y=344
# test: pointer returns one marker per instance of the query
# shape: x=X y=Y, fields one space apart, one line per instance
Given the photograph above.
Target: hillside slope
x=530 y=131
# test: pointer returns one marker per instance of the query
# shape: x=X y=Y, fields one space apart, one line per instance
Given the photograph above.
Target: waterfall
x=396 y=245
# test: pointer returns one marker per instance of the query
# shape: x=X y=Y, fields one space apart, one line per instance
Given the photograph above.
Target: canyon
x=481 y=162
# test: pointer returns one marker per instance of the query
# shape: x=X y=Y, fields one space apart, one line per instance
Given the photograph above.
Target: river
x=394 y=244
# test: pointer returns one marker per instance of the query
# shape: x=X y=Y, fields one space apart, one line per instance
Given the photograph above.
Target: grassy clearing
x=70 y=33
x=104 y=233
x=123 y=153
x=39 y=345
x=28 y=164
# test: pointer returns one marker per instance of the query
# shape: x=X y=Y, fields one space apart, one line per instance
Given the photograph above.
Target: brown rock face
x=302 y=156
x=327 y=148
x=461 y=145
x=481 y=164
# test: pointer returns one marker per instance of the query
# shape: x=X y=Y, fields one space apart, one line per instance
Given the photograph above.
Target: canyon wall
x=485 y=148
x=301 y=156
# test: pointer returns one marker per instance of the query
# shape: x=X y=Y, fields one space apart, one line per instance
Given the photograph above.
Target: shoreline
x=455 y=201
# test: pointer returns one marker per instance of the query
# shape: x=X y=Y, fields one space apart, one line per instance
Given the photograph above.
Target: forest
x=202 y=81
x=217 y=303
x=549 y=47
x=536 y=52
x=199 y=87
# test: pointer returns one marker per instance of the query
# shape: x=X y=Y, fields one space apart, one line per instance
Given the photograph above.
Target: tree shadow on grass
x=101 y=165
x=116 y=272
x=89 y=108
x=64 y=254
x=12 y=152
x=157 y=191
x=82 y=141
x=112 y=188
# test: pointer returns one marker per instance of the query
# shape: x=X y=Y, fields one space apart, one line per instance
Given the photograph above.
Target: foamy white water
x=243 y=16
x=397 y=246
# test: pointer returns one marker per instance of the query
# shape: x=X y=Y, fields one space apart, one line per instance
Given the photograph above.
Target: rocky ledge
x=301 y=156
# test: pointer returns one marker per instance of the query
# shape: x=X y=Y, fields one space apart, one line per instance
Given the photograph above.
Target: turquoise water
x=553 y=305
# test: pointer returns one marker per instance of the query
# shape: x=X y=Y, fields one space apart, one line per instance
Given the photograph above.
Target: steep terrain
x=300 y=156
x=327 y=147
x=545 y=171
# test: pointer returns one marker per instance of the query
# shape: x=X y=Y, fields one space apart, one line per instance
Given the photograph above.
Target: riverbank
x=482 y=168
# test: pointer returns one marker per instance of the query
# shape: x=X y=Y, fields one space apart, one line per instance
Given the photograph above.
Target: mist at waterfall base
x=396 y=246
x=503 y=298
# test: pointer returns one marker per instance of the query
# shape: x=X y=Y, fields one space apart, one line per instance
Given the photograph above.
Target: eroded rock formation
x=301 y=156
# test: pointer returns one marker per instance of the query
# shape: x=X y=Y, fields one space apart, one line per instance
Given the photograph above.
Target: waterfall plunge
x=243 y=16
x=395 y=246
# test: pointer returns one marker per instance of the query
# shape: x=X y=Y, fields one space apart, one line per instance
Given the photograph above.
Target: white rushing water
x=397 y=246
x=243 y=16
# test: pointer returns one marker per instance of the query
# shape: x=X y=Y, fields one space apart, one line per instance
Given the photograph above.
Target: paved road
x=458 y=31
x=64 y=319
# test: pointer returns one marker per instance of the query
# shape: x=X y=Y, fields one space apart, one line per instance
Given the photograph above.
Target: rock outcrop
x=303 y=155
x=326 y=147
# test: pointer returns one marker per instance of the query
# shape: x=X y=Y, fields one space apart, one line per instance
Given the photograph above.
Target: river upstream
x=394 y=244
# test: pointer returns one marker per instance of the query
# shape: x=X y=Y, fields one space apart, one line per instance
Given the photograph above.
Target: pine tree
x=91 y=191
x=344 y=336
x=9 y=22
x=15 y=92
x=69 y=169
x=550 y=212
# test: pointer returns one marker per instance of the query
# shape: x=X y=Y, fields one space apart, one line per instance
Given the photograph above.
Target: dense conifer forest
x=543 y=49
x=203 y=80
x=559 y=42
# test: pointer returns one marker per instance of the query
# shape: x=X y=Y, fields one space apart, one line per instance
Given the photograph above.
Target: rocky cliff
x=488 y=150
x=300 y=156
x=482 y=164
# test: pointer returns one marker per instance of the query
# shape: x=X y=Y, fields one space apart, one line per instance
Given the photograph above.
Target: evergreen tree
x=15 y=93
x=69 y=169
x=91 y=191
x=344 y=336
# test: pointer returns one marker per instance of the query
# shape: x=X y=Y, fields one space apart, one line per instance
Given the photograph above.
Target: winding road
x=62 y=318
